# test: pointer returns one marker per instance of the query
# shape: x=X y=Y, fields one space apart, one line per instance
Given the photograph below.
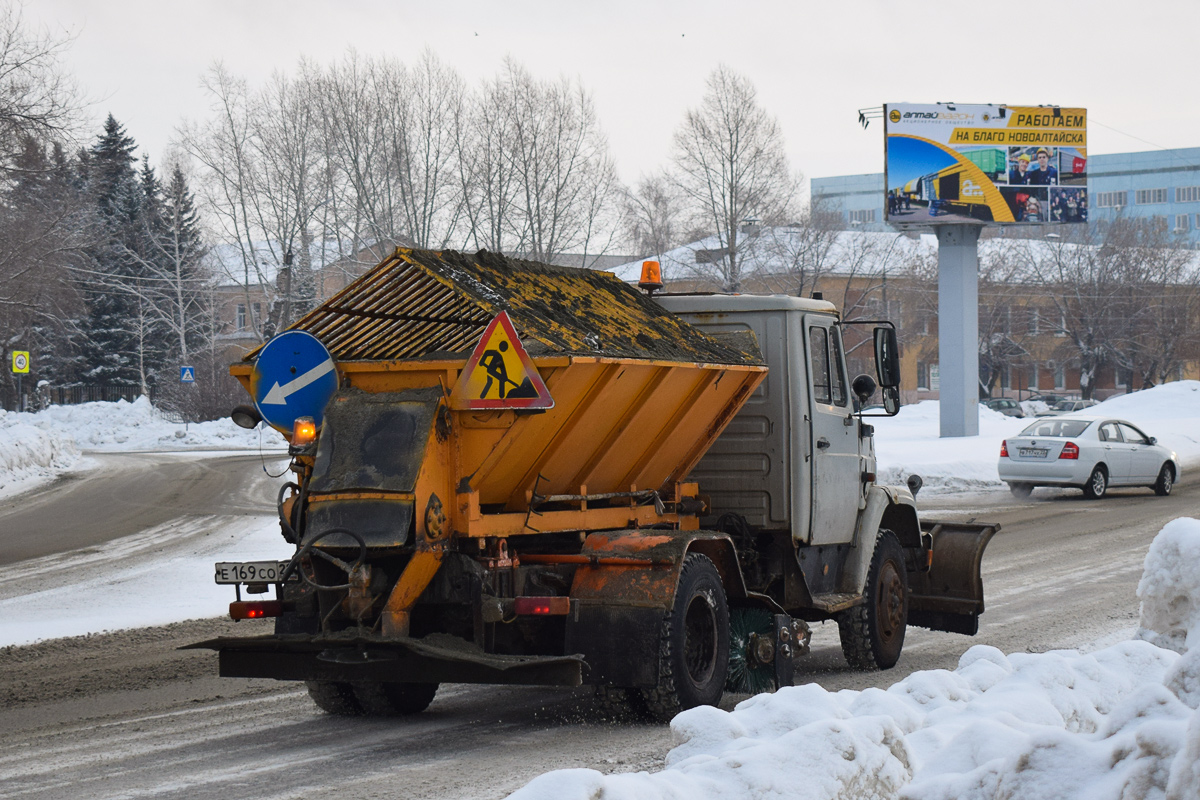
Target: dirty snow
x=1121 y=722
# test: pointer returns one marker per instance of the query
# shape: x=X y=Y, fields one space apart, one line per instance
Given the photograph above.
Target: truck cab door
x=833 y=444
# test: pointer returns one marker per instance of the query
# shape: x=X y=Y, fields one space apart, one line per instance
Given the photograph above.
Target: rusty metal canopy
x=421 y=304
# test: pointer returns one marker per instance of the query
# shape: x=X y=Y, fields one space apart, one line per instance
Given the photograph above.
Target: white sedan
x=1089 y=453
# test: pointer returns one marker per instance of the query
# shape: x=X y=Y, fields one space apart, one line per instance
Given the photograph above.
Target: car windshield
x=1062 y=428
x=1064 y=405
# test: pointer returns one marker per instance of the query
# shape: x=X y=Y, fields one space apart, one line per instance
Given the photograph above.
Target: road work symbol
x=500 y=373
x=294 y=376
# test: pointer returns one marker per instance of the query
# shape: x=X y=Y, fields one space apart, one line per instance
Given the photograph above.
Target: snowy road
x=125 y=715
x=126 y=493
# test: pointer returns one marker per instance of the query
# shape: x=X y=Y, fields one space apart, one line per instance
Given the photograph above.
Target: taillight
x=542 y=606
x=255 y=609
x=1004 y=449
x=1070 y=450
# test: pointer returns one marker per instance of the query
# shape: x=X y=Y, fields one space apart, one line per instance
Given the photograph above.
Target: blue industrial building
x=1159 y=184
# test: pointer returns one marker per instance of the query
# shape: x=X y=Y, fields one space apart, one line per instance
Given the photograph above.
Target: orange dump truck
x=531 y=474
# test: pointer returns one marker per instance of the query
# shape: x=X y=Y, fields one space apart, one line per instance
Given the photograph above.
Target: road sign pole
x=20 y=395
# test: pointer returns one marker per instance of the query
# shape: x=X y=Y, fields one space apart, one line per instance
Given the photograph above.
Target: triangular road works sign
x=500 y=373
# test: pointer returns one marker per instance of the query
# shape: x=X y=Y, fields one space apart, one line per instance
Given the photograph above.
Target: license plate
x=1033 y=452
x=250 y=571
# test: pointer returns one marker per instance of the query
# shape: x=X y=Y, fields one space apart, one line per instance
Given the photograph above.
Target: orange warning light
x=651 y=276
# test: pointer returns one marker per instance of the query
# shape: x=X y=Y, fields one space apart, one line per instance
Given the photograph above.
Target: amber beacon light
x=651 y=277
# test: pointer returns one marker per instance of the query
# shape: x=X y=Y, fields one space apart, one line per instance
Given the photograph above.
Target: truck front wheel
x=873 y=633
x=394 y=699
x=693 y=656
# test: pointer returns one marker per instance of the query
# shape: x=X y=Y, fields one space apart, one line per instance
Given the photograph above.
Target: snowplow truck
x=657 y=497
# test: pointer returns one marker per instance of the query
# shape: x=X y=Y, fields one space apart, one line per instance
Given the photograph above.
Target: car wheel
x=1096 y=485
x=1020 y=490
x=1166 y=479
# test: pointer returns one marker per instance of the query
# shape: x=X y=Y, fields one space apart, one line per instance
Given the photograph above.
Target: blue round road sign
x=293 y=377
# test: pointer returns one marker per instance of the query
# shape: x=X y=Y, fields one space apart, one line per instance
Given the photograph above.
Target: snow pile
x=35 y=447
x=124 y=426
x=909 y=443
x=29 y=454
x=1118 y=723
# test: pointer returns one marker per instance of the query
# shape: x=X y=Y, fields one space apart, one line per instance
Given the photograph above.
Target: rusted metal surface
x=419 y=303
x=627 y=584
x=949 y=596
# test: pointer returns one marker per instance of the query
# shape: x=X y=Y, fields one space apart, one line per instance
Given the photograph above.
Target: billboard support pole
x=958 y=329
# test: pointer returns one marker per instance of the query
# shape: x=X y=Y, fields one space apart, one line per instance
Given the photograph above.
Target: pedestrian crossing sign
x=187 y=375
x=499 y=373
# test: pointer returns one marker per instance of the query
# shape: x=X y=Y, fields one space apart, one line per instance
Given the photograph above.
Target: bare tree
x=1085 y=282
x=800 y=253
x=37 y=98
x=731 y=167
x=654 y=217
x=536 y=174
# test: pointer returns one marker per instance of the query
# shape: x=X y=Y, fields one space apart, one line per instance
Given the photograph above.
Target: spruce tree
x=115 y=333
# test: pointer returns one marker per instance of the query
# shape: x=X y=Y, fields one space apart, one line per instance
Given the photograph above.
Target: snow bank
x=30 y=455
x=124 y=426
x=35 y=447
x=909 y=443
x=1118 y=723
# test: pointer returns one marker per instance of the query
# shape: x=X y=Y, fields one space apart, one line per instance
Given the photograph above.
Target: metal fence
x=73 y=395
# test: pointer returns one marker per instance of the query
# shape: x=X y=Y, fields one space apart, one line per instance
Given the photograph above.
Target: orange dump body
x=639 y=396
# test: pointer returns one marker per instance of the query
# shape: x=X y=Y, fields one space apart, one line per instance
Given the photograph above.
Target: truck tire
x=394 y=699
x=334 y=698
x=873 y=633
x=693 y=652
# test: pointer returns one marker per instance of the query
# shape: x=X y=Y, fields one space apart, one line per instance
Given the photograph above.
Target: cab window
x=829 y=381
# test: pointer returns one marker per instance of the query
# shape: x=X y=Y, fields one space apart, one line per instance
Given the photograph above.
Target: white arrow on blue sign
x=293 y=377
x=187 y=375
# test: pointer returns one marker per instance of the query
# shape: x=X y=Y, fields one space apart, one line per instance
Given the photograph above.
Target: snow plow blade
x=437 y=658
x=949 y=597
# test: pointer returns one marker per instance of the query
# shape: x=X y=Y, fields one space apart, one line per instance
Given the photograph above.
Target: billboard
x=951 y=163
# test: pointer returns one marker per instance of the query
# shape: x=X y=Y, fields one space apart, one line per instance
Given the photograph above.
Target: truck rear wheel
x=873 y=633
x=394 y=699
x=693 y=653
x=334 y=698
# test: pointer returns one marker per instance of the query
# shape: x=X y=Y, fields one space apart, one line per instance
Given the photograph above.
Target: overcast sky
x=1133 y=65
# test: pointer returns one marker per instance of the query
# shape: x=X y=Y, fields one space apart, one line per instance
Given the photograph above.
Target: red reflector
x=1070 y=450
x=1004 y=449
x=543 y=606
x=255 y=609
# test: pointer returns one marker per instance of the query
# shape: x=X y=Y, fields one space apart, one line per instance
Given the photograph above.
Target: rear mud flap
x=433 y=659
x=949 y=597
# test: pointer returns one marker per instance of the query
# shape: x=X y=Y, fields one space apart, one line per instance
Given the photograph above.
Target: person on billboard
x=1019 y=175
x=1044 y=175
x=1033 y=210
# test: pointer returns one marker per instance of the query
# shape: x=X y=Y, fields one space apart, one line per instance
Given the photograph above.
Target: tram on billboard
x=950 y=163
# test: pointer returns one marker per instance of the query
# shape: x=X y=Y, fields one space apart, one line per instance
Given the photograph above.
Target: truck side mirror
x=887 y=366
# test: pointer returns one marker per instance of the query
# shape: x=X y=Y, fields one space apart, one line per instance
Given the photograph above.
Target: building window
x=1033 y=377
x=861 y=217
x=257 y=318
x=1060 y=374
x=1062 y=325
x=241 y=317
x=1187 y=194
x=1111 y=199
x=1035 y=319
x=1181 y=222
x=1145 y=197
